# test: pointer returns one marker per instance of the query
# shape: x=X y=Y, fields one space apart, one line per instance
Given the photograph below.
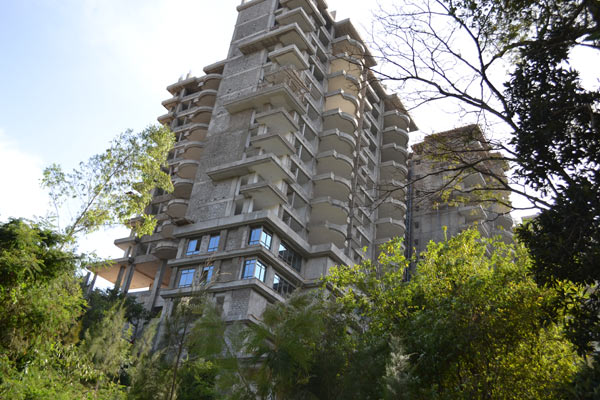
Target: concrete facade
x=283 y=151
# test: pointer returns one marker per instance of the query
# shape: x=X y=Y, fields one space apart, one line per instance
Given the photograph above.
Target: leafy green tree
x=115 y=186
x=471 y=323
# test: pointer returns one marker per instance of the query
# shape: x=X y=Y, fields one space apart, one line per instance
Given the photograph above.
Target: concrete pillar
x=157 y=283
x=90 y=287
x=119 y=277
x=128 y=277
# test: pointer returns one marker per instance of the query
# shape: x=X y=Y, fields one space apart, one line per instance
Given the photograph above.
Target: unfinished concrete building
x=457 y=181
x=283 y=150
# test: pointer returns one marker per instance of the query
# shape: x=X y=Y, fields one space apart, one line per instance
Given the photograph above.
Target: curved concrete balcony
x=165 y=249
x=266 y=165
x=341 y=80
x=391 y=170
x=308 y=6
x=337 y=119
x=350 y=65
x=206 y=98
x=389 y=228
x=197 y=132
x=327 y=232
x=277 y=120
x=280 y=95
x=211 y=81
x=285 y=35
x=506 y=236
x=394 y=189
x=126 y=242
x=393 y=152
x=297 y=16
x=192 y=150
x=392 y=208
x=341 y=142
x=289 y=55
x=332 y=185
x=329 y=209
x=170 y=103
x=166 y=118
x=264 y=194
x=332 y=161
x=202 y=115
x=273 y=143
x=341 y=100
x=473 y=214
x=182 y=188
x=396 y=118
x=166 y=229
x=505 y=221
x=187 y=169
x=177 y=208
x=345 y=44
x=396 y=135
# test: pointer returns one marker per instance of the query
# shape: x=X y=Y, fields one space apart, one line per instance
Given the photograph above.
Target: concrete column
x=119 y=277
x=90 y=287
x=128 y=277
x=157 y=283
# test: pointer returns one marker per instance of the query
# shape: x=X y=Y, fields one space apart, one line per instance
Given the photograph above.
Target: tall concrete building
x=456 y=181
x=283 y=152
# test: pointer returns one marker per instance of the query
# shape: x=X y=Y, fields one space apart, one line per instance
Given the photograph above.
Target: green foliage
x=115 y=186
x=197 y=381
x=471 y=323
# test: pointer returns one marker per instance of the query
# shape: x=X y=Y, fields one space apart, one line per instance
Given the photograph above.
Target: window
x=186 y=278
x=213 y=243
x=207 y=273
x=290 y=257
x=282 y=286
x=260 y=236
x=254 y=269
x=193 y=247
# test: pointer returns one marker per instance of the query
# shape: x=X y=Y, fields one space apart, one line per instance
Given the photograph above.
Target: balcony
x=177 y=208
x=280 y=95
x=332 y=185
x=285 y=35
x=393 y=152
x=341 y=142
x=332 y=161
x=337 y=119
x=473 y=214
x=345 y=44
x=341 y=100
x=308 y=6
x=166 y=229
x=166 y=118
x=264 y=194
x=192 y=150
x=165 y=249
x=327 y=232
x=272 y=143
x=329 y=209
x=392 y=208
x=505 y=236
x=389 y=228
x=392 y=170
x=396 y=135
x=396 y=118
x=350 y=65
x=186 y=169
x=197 y=132
x=277 y=120
x=267 y=166
x=182 y=188
x=202 y=115
x=206 y=98
x=341 y=80
x=125 y=243
x=297 y=16
x=504 y=221
x=472 y=179
x=289 y=55
x=211 y=81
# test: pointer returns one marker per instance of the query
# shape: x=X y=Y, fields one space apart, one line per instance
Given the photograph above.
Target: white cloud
x=20 y=174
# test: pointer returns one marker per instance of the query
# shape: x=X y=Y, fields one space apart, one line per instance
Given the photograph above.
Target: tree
x=115 y=186
x=471 y=322
x=507 y=65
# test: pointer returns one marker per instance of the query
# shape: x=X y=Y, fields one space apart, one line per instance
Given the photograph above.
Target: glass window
x=282 y=286
x=254 y=269
x=213 y=243
x=260 y=236
x=290 y=257
x=207 y=273
x=186 y=278
x=193 y=247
